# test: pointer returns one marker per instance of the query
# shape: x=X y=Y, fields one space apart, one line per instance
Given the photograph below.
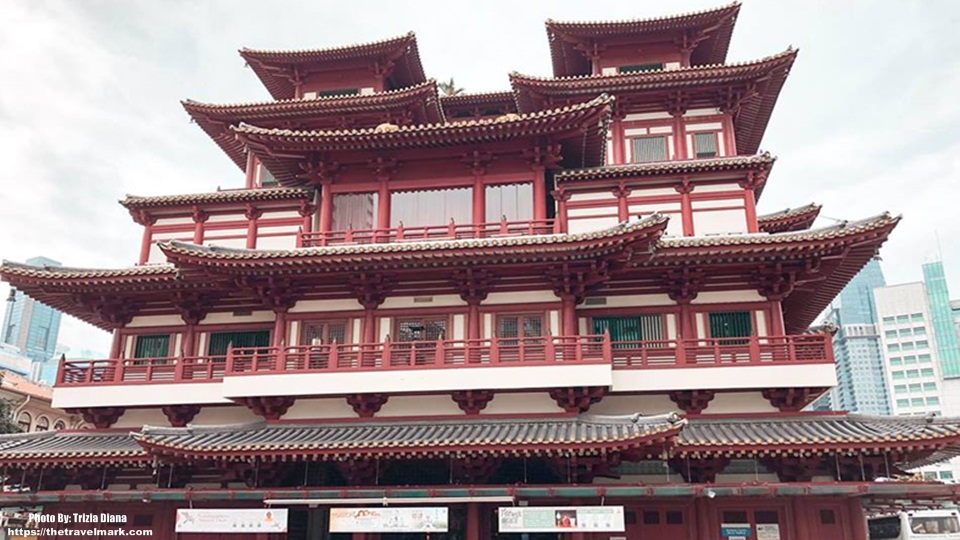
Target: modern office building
x=941 y=314
x=861 y=384
x=29 y=325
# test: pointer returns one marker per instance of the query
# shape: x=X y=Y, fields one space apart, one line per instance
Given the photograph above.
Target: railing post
x=333 y=360
x=452 y=229
x=791 y=350
x=387 y=359
x=503 y=225
x=550 y=349
x=348 y=235
x=299 y=237
x=827 y=348
x=229 y=367
x=716 y=351
x=178 y=369
x=494 y=350
x=439 y=353
x=399 y=232
x=607 y=346
x=754 y=350
x=680 y=352
x=281 y=358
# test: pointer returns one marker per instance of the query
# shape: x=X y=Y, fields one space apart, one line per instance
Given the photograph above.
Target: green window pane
x=929 y=386
x=221 y=341
x=927 y=372
x=154 y=346
x=903 y=403
x=731 y=324
x=898 y=375
x=933 y=400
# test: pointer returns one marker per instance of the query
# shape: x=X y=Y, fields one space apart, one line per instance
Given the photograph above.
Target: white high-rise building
x=910 y=358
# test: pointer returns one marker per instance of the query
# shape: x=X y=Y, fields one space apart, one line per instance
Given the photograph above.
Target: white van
x=919 y=524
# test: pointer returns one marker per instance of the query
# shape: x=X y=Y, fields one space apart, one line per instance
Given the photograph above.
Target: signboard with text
x=231 y=520
x=388 y=520
x=522 y=519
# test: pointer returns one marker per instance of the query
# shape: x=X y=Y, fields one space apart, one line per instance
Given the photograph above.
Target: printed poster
x=388 y=520
x=522 y=519
x=231 y=520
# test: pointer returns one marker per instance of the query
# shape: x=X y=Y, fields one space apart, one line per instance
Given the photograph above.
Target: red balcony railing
x=547 y=350
x=752 y=351
x=451 y=231
x=534 y=351
x=141 y=370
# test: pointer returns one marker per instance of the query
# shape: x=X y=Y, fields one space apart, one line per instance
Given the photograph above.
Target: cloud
x=868 y=120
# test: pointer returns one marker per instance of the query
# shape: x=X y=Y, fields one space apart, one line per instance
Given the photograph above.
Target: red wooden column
x=189 y=336
x=776 y=319
x=568 y=315
x=252 y=214
x=623 y=210
x=539 y=193
x=750 y=201
x=858 y=521
x=199 y=218
x=251 y=169
x=704 y=511
x=326 y=206
x=800 y=517
x=383 y=206
x=147 y=221
x=473 y=522
x=679 y=136
x=560 y=224
x=617 y=140
x=280 y=327
x=306 y=212
x=116 y=343
x=686 y=206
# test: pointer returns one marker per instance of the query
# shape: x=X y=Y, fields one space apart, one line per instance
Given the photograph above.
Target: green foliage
x=449 y=88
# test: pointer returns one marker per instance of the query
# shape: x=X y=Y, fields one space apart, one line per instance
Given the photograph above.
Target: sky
x=868 y=121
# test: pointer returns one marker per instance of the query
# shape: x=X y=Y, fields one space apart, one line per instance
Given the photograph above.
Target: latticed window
x=221 y=341
x=624 y=331
x=649 y=149
x=324 y=332
x=152 y=346
x=520 y=326
x=640 y=68
x=705 y=144
x=421 y=328
x=731 y=324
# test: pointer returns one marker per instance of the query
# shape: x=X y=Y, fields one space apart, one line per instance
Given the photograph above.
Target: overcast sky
x=89 y=105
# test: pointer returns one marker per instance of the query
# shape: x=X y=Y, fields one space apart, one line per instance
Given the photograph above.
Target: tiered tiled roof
x=913 y=438
x=791 y=219
x=638 y=92
x=538 y=436
x=434 y=254
x=225 y=196
x=274 y=68
x=281 y=149
x=715 y=24
x=215 y=119
x=481 y=103
x=70 y=447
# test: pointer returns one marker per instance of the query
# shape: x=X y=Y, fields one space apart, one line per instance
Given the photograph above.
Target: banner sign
x=736 y=531
x=521 y=519
x=231 y=520
x=388 y=520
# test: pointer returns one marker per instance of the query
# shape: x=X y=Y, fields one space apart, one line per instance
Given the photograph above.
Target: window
x=513 y=202
x=908 y=346
x=896 y=361
x=898 y=375
x=888 y=321
x=828 y=517
x=519 y=326
x=59 y=425
x=624 y=330
x=900 y=389
x=438 y=207
x=926 y=372
x=934 y=400
x=647 y=149
x=923 y=344
x=903 y=319
x=925 y=359
x=705 y=144
x=221 y=341
x=915 y=387
x=905 y=332
x=891 y=334
x=43 y=423
x=674 y=517
x=916 y=402
x=729 y=324
x=912 y=374
x=325 y=332
x=903 y=403
x=886 y=528
x=152 y=346
x=916 y=317
x=946 y=475
x=651 y=518
x=432 y=328
x=893 y=347
x=730 y=516
x=638 y=68
x=354 y=211
x=909 y=360
x=267 y=179
x=24 y=421
x=930 y=386
x=919 y=331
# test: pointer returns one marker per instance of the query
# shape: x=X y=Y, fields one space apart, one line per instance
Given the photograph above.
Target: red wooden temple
x=561 y=294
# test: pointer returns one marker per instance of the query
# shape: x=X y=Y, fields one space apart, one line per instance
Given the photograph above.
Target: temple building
x=561 y=294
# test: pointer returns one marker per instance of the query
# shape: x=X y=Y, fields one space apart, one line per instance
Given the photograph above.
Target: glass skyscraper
x=941 y=314
x=861 y=385
x=29 y=325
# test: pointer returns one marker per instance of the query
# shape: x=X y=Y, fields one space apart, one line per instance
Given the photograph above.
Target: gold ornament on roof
x=386 y=127
x=508 y=117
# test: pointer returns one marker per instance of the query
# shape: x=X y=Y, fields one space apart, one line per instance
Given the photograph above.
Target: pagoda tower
x=561 y=294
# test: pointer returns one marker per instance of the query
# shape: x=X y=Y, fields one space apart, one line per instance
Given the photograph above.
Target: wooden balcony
x=451 y=231
x=141 y=370
x=752 y=351
x=446 y=354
